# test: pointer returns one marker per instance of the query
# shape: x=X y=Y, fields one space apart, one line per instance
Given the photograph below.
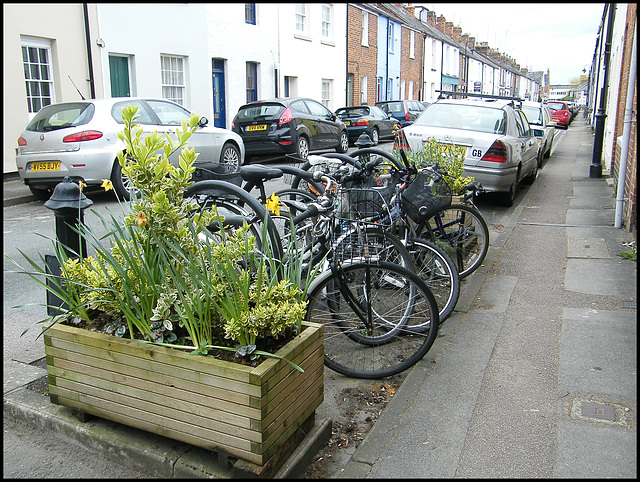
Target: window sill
x=302 y=37
x=328 y=43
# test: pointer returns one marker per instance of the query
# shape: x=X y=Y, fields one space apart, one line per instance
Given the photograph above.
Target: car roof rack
x=446 y=94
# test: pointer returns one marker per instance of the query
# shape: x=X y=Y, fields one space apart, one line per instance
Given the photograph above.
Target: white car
x=539 y=117
x=499 y=147
x=79 y=140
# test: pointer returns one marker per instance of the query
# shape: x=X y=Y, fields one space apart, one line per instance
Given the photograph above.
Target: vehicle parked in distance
x=291 y=125
x=560 y=112
x=492 y=133
x=543 y=127
x=79 y=139
x=405 y=111
x=370 y=120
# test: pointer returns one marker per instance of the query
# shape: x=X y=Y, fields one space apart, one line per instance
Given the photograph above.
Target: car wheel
x=375 y=136
x=302 y=148
x=534 y=172
x=547 y=155
x=344 y=143
x=41 y=194
x=230 y=158
x=510 y=196
x=539 y=159
x=121 y=184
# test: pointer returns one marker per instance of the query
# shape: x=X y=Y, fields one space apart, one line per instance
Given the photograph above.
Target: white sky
x=560 y=37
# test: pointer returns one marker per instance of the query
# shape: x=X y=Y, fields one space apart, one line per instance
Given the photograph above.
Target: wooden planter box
x=246 y=412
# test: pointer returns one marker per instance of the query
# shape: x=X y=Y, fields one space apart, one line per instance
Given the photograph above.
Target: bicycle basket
x=363 y=204
x=426 y=195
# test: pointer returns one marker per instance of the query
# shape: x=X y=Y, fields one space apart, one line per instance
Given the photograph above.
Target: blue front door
x=219 y=111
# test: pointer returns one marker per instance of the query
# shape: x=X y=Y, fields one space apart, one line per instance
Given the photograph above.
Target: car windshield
x=259 y=111
x=353 y=112
x=60 y=116
x=534 y=114
x=466 y=117
x=556 y=105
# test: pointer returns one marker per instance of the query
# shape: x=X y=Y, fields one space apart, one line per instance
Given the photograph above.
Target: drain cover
x=599 y=411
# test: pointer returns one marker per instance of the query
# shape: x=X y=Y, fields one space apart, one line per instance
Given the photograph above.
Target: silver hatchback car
x=79 y=140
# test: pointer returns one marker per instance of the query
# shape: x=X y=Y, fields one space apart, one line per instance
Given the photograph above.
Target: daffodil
x=106 y=184
x=141 y=219
x=273 y=204
x=82 y=185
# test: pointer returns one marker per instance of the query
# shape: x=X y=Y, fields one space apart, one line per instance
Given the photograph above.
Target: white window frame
x=173 y=78
x=301 y=23
x=45 y=45
x=363 y=89
x=327 y=21
x=365 y=29
x=326 y=93
x=412 y=44
x=390 y=37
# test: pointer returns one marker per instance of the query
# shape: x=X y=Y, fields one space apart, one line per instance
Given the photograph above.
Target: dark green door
x=119 y=72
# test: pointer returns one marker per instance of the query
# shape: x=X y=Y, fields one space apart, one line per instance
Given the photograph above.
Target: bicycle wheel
x=462 y=232
x=237 y=206
x=367 y=242
x=439 y=271
x=370 y=335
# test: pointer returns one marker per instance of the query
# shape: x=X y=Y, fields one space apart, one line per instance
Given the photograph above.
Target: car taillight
x=22 y=141
x=496 y=153
x=233 y=122
x=83 y=136
x=406 y=114
x=362 y=122
x=400 y=142
x=285 y=117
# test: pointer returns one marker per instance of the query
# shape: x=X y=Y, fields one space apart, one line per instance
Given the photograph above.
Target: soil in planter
x=101 y=322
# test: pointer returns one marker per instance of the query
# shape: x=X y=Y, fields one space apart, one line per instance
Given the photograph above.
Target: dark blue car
x=370 y=120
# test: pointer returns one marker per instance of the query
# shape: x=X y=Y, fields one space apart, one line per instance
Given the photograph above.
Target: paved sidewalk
x=534 y=375
x=538 y=378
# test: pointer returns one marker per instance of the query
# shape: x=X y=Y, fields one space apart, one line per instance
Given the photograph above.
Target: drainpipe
x=622 y=169
x=595 y=170
x=88 y=41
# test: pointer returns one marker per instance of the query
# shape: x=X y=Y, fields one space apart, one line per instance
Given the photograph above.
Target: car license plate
x=454 y=150
x=347 y=123
x=45 y=166
x=259 y=127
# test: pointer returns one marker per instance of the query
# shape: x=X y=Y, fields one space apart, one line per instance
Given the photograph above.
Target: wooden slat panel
x=172 y=398
x=131 y=375
x=125 y=419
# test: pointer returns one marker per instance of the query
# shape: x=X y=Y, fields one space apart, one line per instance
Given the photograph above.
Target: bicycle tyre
x=392 y=355
x=465 y=237
x=439 y=271
x=234 y=200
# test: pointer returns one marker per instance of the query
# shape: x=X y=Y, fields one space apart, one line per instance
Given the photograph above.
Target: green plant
x=157 y=280
x=449 y=160
x=633 y=254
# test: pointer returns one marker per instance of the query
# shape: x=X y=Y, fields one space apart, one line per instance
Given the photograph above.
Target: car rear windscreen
x=260 y=112
x=60 y=116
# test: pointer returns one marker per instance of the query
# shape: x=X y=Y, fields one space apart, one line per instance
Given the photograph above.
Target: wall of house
x=142 y=34
x=389 y=59
x=411 y=67
x=431 y=68
x=629 y=214
x=238 y=42
x=63 y=26
x=309 y=57
x=362 y=59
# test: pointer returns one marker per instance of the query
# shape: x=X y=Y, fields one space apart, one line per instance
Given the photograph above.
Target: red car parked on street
x=560 y=112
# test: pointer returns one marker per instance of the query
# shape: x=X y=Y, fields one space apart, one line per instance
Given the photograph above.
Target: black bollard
x=364 y=141
x=67 y=203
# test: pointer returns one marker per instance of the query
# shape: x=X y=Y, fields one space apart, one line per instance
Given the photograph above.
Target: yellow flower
x=273 y=204
x=106 y=184
x=141 y=219
x=82 y=185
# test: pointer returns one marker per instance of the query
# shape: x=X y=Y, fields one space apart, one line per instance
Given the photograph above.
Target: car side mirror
x=203 y=122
